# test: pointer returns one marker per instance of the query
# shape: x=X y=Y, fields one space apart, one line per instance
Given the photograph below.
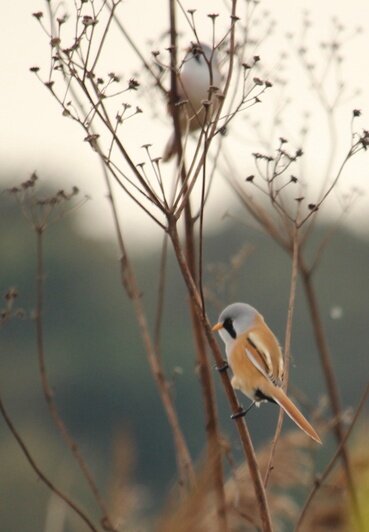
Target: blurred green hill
x=97 y=364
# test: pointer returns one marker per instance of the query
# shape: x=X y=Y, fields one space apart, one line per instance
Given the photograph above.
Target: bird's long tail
x=293 y=412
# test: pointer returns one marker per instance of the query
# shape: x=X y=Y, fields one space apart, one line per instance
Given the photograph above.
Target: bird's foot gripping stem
x=242 y=412
x=223 y=367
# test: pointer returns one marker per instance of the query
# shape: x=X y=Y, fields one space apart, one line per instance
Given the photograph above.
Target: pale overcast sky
x=34 y=135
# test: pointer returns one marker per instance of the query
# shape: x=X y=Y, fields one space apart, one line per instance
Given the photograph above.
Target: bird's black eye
x=228 y=326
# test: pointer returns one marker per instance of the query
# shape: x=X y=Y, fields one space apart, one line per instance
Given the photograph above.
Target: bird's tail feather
x=294 y=413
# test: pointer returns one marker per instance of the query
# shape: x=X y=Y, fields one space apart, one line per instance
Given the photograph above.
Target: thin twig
x=184 y=462
x=331 y=382
x=40 y=474
x=287 y=346
x=161 y=290
x=212 y=426
x=262 y=502
x=48 y=393
x=333 y=460
x=139 y=54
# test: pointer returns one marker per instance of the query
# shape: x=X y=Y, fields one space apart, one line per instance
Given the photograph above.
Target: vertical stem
x=212 y=429
x=173 y=78
x=129 y=281
x=333 y=460
x=69 y=502
x=262 y=502
x=48 y=393
x=331 y=384
x=211 y=421
x=287 y=345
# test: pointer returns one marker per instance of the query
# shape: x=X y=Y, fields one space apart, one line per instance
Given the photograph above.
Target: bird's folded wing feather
x=261 y=352
x=255 y=363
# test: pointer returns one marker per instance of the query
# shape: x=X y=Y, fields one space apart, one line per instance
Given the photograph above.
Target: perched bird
x=256 y=360
x=199 y=72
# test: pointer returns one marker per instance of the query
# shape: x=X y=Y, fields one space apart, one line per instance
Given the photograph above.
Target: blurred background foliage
x=97 y=364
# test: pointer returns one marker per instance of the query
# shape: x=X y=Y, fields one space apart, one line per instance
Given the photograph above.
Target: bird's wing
x=253 y=361
x=261 y=357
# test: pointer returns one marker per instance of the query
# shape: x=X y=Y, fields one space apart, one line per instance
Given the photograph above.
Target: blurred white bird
x=199 y=72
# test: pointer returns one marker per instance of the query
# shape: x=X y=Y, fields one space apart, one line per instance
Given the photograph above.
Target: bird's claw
x=240 y=413
x=223 y=367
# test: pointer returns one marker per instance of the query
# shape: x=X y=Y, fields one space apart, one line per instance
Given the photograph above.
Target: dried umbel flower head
x=9 y=312
x=42 y=209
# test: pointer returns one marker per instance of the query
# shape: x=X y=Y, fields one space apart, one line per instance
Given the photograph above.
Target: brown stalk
x=161 y=290
x=212 y=427
x=48 y=393
x=333 y=460
x=287 y=346
x=262 y=502
x=211 y=421
x=129 y=281
x=212 y=131
x=330 y=380
x=138 y=53
x=69 y=502
x=321 y=341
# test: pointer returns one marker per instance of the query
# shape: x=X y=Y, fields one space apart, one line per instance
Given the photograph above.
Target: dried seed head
x=55 y=41
x=113 y=77
x=133 y=84
x=11 y=294
x=89 y=21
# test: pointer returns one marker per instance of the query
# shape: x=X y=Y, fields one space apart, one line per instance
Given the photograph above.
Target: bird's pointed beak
x=217 y=327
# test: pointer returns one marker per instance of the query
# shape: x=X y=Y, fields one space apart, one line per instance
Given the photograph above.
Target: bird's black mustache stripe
x=228 y=326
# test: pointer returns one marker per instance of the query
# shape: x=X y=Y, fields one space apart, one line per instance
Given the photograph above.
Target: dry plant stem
x=184 y=462
x=287 y=346
x=212 y=428
x=161 y=290
x=48 y=393
x=212 y=130
x=138 y=53
x=262 y=502
x=332 y=462
x=40 y=474
x=331 y=382
x=201 y=227
x=174 y=98
x=214 y=451
x=183 y=458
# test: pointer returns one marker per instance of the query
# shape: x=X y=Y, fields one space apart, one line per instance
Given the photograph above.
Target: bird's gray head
x=235 y=320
